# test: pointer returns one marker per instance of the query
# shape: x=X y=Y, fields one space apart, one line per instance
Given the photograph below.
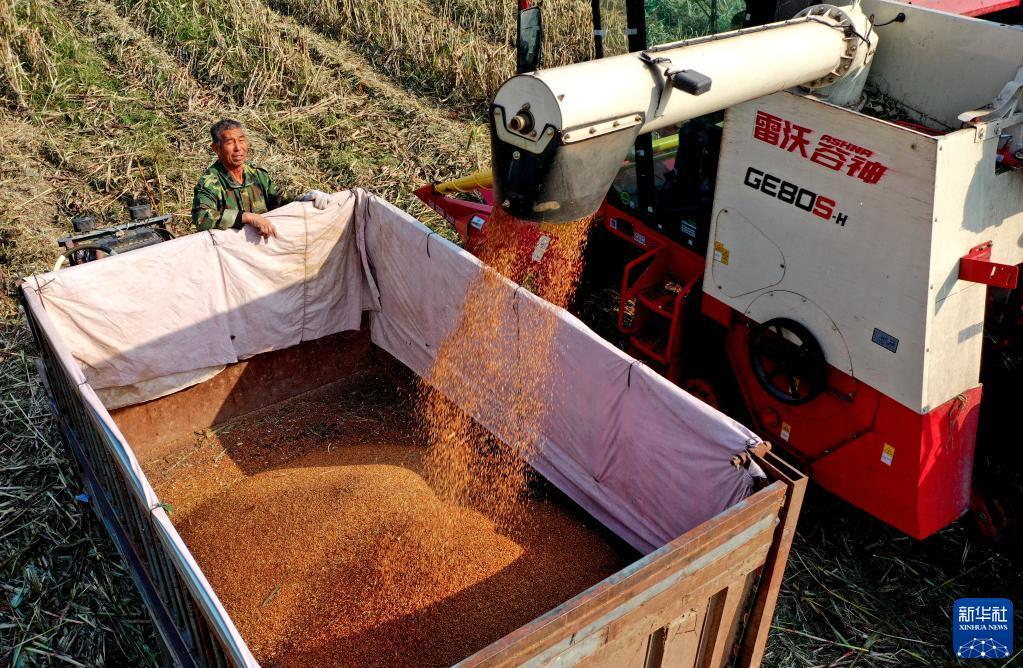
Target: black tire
x=788 y=361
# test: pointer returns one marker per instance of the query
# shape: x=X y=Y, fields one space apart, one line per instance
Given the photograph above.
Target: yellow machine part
x=484 y=178
x=481 y=179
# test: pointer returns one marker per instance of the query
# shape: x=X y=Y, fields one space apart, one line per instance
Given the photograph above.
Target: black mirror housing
x=530 y=39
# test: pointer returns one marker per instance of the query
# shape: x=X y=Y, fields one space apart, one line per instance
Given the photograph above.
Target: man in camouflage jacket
x=232 y=194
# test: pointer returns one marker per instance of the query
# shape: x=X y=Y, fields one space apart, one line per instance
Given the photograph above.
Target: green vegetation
x=672 y=20
x=105 y=105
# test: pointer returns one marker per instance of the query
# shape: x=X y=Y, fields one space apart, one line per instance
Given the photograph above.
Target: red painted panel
x=926 y=485
x=977 y=267
x=967 y=7
x=910 y=470
x=716 y=310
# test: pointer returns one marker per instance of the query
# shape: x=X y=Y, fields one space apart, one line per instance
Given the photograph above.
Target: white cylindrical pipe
x=742 y=65
x=559 y=135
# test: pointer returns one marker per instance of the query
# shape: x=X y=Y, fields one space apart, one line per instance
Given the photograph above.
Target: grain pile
x=315 y=526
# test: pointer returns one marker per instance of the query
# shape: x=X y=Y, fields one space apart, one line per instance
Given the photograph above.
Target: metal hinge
x=1005 y=111
x=758 y=448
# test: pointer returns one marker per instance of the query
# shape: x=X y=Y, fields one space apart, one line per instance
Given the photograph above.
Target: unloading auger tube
x=559 y=136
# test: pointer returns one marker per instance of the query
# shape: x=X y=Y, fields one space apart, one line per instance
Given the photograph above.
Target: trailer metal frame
x=705 y=599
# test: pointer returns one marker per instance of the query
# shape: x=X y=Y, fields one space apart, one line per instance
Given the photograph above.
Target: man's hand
x=262 y=225
x=320 y=199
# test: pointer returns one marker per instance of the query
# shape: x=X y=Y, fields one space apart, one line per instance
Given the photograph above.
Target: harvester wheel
x=788 y=361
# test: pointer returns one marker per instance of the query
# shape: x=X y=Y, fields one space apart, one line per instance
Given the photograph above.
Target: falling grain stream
x=362 y=524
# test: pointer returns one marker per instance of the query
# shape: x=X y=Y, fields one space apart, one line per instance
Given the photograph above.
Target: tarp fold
x=641 y=455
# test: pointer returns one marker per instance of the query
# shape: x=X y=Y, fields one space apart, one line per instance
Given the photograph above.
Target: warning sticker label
x=887 y=454
x=720 y=253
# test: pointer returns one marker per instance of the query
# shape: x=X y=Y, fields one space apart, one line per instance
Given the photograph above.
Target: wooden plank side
x=682 y=638
x=569 y=618
x=649 y=619
x=755 y=637
x=639 y=600
x=657 y=611
x=741 y=618
x=720 y=634
x=711 y=622
x=627 y=653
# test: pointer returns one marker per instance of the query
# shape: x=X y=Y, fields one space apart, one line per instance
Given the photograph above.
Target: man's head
x=229 y=143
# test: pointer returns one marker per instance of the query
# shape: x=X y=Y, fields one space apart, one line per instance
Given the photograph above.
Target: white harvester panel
x=854 y=227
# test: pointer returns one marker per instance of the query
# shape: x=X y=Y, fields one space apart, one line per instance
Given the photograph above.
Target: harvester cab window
x=684 y=194
x=625 y=190
x=611 y=34
x=683 y=171
x=667 y=180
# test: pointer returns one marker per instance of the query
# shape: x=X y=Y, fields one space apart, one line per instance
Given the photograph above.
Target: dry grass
x=859 y=593
x=64 y=596
x=456 y=50
x=322 y=118
x=429 y=53
x=99 y=113
x=568 y=28
x=325 y=118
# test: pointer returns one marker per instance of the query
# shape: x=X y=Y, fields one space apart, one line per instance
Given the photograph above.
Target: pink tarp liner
x=638 y=453
x=211 y=298
x=646 y=458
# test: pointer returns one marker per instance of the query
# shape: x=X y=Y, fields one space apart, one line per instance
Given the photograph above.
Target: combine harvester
x=835 y=260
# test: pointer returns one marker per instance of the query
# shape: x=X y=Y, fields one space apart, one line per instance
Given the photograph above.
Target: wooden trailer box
x=702 y=594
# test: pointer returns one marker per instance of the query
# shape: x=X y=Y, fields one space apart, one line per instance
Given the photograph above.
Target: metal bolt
x=516 y=155
x=549 y=132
